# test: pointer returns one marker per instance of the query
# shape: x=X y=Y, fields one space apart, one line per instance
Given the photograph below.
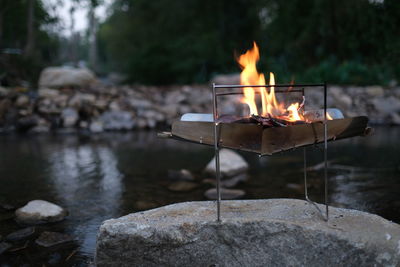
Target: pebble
x=183 y=174
x=20 y=234
x=40 y=211
x=225 y=193
x=4 y=246
x=231 y=163
x=49 y=239
x=182 y=186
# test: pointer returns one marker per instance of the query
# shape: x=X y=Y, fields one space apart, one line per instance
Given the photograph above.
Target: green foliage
x=172 y=41
x=169 y=41
x=338 y=41
x=14 y=36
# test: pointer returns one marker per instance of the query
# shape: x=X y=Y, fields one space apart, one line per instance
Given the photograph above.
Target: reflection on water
x=110 y=175
x=86 y=179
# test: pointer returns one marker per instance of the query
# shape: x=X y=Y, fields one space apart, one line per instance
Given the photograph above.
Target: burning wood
x=260 y=120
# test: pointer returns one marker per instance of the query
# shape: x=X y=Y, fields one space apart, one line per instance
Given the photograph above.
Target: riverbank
x=124 y=108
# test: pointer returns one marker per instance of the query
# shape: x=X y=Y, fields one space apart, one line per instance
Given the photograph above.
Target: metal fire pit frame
x=302 y=87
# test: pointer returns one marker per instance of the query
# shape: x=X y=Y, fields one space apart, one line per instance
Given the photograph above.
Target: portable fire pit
x=266 y=136
x=275 y=128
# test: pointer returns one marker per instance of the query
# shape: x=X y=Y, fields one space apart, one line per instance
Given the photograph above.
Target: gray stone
x=231 y=163
x=386 y=106
x=4 y=246
x=48 y=93
x=69 y=116
x=275 y=232
x=183 y=174
x=375 y=91
x=96 y=127
x=22 y=101
x=55 y=77
x=20 y=234
x=182 y=186
x=117 y=120
x=233 y=78
x=228 y=182
x=225 y=193
x=40 y=211
x=49 y=239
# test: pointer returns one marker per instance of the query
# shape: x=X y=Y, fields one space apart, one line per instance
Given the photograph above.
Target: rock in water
x=20 y=234
x=56 y=77
x=117 y=120
x=231 y=163
x=182 y=186
x=49 y=239
x=183 y=175
x=229 y=182
x=225 y=193
x=274 y=232
x=4 y=246
x=69 y=116
x=40 y=211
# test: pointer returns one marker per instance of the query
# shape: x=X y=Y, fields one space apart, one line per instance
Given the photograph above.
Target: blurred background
x=85 y=85
x=175 y=42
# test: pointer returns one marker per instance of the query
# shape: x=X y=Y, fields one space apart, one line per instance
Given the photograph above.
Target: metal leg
x=326 y=153
x=216 y=149
x=326 y=218
x=305 y=173
x=217 y=171
x=306 y=188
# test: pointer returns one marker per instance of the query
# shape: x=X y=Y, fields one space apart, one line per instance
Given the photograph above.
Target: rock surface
x=40 y=211
x=49 y=239
x=101 y=107
x=20 y=234
x=231 y=163
x=275 y=232
x=55 y=77
x=182 y=186
x=4 y=246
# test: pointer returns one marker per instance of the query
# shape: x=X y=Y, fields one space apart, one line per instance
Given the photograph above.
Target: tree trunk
x=30 y=40
x=92 y=37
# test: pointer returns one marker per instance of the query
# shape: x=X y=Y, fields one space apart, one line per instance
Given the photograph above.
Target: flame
x=270 y=105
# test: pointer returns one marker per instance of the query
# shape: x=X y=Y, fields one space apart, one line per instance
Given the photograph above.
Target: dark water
x=107 y=176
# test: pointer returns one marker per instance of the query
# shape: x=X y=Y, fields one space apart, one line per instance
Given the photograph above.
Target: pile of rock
x=82 y=103
x=33 y=213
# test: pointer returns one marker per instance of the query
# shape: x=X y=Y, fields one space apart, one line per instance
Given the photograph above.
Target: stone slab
x=274 y=232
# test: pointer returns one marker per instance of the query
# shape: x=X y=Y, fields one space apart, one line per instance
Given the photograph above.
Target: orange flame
x=270 y=105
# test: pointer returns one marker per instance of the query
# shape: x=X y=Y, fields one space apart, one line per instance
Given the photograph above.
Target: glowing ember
x=270 y=105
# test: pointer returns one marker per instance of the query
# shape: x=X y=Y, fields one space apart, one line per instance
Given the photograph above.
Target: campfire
x=274 y=126
x=270 y=125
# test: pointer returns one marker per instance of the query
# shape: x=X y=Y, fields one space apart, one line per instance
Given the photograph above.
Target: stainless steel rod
x=305 y=173
x=216 y=150
x=326 y=153
x=277 y=85
x=258 y=93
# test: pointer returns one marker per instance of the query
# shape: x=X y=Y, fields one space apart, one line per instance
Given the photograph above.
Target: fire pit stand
x=275 y=137
x=293 y=89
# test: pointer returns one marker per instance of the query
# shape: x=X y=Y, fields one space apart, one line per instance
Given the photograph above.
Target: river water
x=109 y=175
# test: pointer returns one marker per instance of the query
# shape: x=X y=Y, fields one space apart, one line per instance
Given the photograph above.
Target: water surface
x=109 y=175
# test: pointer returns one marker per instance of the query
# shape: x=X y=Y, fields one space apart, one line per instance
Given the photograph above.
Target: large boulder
x=275 y=232
x=231 y=163
x=57 y=77
x=40 y=211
